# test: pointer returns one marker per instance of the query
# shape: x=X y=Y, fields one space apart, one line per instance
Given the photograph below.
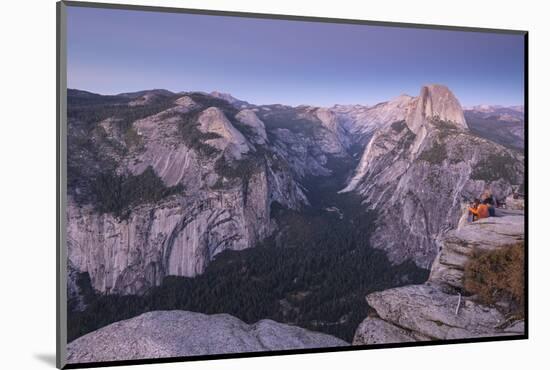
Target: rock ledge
x=160 y=334
x=437 y=310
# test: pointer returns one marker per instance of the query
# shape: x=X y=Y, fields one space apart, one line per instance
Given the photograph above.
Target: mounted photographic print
x=235 y=184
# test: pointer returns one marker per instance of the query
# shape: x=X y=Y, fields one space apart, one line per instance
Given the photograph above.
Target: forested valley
x=314 y=272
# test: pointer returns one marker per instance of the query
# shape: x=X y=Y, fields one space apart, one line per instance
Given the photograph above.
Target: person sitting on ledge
x=488 y=199
x=472 y=212
x=478 y=210
x=490 y=206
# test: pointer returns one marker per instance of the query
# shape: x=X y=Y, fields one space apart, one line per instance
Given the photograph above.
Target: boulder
x=426 y=310
x=374 y=330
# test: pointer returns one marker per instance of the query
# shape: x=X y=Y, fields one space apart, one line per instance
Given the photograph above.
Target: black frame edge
x=526 y=175
x=350 y=348
x=61 y=125
x=57 y=190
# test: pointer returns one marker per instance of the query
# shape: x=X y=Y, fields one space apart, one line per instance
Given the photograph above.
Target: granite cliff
x=161 y=183
x=418 y=173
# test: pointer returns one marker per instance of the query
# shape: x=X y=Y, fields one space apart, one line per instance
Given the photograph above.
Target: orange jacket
x=482 y=211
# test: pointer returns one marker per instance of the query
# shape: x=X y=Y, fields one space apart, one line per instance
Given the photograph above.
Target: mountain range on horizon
x=485 y=108
x=503 y=124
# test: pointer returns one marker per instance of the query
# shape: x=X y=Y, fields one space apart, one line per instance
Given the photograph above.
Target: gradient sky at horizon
x=290 y=62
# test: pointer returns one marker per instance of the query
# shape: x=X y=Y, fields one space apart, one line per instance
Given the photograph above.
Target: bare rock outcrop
x=161 y=147
x=251 y=120
x=435 y=310
x=160 y=334
x=229 y=139
x=374 y=330
x=186 y=102
x=428 y=313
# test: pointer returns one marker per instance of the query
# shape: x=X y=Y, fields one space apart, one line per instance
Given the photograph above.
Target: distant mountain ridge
x=487 y=108
x=482 y=108
x=504 y=125
x=501 y=113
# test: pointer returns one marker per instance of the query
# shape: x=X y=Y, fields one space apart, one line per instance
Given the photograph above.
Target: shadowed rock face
x=431 y=311
x=160 y=334
x=418 y=174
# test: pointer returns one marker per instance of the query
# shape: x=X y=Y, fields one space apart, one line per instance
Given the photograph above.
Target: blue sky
x=275 y=61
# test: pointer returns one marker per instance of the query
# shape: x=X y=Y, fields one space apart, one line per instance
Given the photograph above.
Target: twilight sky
x=274 y=61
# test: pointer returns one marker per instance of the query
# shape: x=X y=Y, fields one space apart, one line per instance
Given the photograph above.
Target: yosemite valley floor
x=314 y=272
